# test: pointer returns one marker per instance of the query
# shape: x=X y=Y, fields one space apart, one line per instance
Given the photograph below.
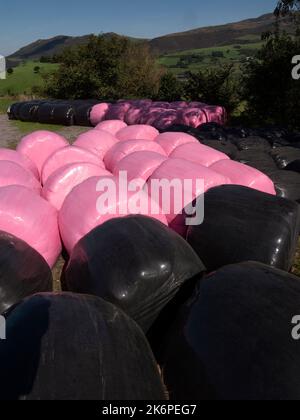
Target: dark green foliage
x=214 y=86
x=272 y=95
x=171 y=89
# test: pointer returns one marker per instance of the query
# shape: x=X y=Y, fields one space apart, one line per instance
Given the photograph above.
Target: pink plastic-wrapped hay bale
x=137 y=132
x=62 y=181
x=96 y=141
x=98 y=113
x=24 y=161
x=244 y=175
x=67 y=155
x=111 y=126
x=198 y=153
x=39 y=145
x=82 y=210
x=29 y=217
x=122 y=149
x=170 y=141
x=12 y=173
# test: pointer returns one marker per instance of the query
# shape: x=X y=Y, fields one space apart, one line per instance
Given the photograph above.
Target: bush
x=213 y=87
x=272 y=95
x=106 y=68
x=171 y=89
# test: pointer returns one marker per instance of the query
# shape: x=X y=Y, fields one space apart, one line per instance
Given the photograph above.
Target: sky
x=25 y=21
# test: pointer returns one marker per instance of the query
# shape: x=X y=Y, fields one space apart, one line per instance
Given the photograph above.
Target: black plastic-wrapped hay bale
x=63 y=114
x=242 y=224
x=225 y=147
x=45 y=113
x=287 y=184
x=23 y=271
x=136 y=263
x=294 y=166
x=253 y=143
x=28 y=111
x=283 y=156
x=71 y=347
x=233 y=339
x=13 y=111
x=258 y=160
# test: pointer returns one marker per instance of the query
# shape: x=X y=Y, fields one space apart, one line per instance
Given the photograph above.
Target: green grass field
x=199 y=59
x=24 y=78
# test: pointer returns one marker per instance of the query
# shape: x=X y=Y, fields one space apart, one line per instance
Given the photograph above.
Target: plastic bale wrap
x=167 y=119
x=244 y=175
x=82 y=211
x=258 y=160
x=170 y=141
x=283 y=156
x=198 y=153
x=294 y=166
x=192 y=116
x=62 y=181
x=233 y=339
x=242 y=224
x=216 y=114
x=227 y=148
x=112 y=126
x=13 y=174
x=40 y=145
x=29 y=217
x=287 y=184
x=136 y=263
x=186 y=175
x=256 y=144
x=137 y=132
x=23 y=272
x=70 y=347
x=13 y=156
x=139 y=165
x=98 y=142
x=68 y=155
x=133 y=115
x=150 y=115
x=123 y=149
x=118 y=111
x=98 y=113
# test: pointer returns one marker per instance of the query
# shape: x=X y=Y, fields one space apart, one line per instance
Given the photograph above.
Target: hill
x=244 y=32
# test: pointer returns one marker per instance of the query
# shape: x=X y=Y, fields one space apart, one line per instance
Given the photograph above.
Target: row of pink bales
x=48 y=191
x=160 y=115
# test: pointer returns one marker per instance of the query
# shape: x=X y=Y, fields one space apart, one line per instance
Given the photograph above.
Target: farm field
x=199 y=59
x=24 y=78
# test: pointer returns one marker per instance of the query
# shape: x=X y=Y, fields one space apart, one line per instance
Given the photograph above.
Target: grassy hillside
x=24 y=79
x=198 y=59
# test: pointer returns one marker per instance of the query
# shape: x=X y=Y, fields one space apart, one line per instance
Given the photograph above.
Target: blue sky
x=25 y=21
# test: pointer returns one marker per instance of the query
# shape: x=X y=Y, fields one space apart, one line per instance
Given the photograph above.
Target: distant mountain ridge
x=212 y=36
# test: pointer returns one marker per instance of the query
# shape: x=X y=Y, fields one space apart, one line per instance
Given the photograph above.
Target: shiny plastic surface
x=29 y=217
x=242 y=224
x=233 y=339
x=96 y=141
x=135 y=263
x=23 y=271
x=12 y=173
x=68 y=155
x=170 y=141
x=62 y=181
x=70 y=347
x=39 y=145
x=137 y=132
x=25 y=162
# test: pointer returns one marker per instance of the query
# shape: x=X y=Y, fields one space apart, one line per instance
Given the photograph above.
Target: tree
x=10 y=71
x=106 y=68
x=171 y=89
x=213 y=86
x=272 y=95
x=287 y=6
